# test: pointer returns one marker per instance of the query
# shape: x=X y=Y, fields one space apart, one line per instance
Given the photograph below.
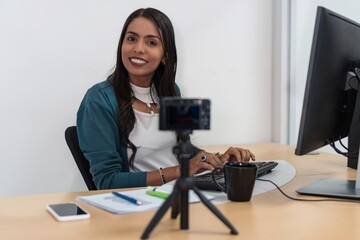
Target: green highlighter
x=158 y=194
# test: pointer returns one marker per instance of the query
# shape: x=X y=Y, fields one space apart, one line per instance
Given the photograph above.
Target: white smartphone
x=67 y=211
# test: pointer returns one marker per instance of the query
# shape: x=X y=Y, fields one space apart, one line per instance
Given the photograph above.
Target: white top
x=154 y=147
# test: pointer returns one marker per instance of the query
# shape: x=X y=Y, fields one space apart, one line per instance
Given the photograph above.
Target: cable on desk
x=308 y=200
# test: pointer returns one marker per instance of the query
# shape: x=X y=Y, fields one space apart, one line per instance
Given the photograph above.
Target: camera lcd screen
x=183 y=117
x=184 y=114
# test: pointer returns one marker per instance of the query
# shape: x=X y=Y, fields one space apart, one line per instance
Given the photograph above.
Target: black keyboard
x=206 y=182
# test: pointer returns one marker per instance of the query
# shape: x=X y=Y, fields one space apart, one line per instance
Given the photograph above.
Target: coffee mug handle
x=218 y=169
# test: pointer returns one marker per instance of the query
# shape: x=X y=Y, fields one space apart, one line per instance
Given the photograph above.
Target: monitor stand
x=343 y=188
x=337 y=188
x=354 y=131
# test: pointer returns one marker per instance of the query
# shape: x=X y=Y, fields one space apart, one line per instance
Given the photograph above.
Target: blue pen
x=129 y=199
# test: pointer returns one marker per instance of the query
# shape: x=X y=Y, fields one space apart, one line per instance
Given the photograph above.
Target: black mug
x=239 y=180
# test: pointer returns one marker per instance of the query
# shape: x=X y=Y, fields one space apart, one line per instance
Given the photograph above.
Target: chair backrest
x=72 y=141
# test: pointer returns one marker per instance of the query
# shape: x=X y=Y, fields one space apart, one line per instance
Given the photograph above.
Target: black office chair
x=72 y=141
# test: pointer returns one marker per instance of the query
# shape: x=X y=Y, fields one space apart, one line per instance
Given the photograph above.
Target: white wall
x=51 y=52
x=303 y=14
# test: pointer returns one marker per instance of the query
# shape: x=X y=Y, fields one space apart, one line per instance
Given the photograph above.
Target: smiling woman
x=118 y=120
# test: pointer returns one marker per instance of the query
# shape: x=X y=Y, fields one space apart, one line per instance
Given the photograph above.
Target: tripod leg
x=213 y=209
x=175 y=209
x=184 y=209
x=181 y=205
x=160 y=213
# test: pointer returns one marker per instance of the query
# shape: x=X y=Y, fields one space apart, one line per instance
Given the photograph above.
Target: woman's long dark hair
x=163 y=79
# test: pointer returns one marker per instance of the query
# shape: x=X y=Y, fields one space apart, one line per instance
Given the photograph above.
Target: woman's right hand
x=203 y=161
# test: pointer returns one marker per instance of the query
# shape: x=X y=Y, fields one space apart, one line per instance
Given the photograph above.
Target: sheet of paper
x=115 y=204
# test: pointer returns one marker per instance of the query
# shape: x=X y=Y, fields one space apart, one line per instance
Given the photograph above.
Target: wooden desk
x=267 y=216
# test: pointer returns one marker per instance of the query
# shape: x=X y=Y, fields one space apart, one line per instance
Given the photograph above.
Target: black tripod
x=179 y=198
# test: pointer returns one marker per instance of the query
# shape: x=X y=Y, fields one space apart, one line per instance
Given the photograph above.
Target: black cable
x=308 y=200
x=353 y=154
x=332 y=144
x=343 y=145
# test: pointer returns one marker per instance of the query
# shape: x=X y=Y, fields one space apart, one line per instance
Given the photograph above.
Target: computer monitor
x=332 y=100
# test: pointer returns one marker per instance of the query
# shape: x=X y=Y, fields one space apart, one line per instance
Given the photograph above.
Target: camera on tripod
x=184 y=114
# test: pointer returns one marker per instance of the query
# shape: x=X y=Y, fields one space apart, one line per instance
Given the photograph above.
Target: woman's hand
x=208 y=161
x=235 y=154
x=203 y=161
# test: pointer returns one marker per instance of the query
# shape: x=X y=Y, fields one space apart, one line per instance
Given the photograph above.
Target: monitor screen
x=331 y=89
x=331 y=101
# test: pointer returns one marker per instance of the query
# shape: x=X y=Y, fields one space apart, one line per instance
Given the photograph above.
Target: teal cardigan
x=99 y=140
